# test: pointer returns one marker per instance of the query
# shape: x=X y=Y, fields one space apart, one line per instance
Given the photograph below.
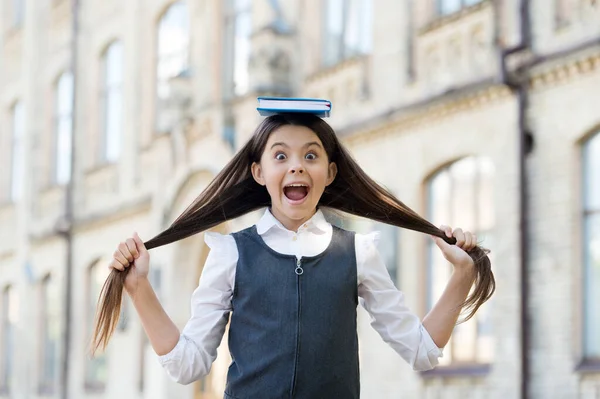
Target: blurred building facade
x=116 y=114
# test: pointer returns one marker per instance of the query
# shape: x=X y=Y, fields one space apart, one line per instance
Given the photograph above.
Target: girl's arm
x=160 y=329
x=186 y=356
x=441 y=319
x=196 y=349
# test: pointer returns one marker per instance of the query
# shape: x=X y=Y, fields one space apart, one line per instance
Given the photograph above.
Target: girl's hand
x=131 y=253
x=457 y=254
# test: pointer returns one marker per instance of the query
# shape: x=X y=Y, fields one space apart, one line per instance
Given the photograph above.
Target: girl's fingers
x=460 y=237
x=468 y=241
x=464 y=240
x=118 y=256
x=139 y=243
x=115 y=264
x=125 y=251
x=447 y=230
x=132 y=248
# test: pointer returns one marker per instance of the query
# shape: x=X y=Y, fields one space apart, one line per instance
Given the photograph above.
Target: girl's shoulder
x=363 y=241
x=217 y=241
x=368 y=240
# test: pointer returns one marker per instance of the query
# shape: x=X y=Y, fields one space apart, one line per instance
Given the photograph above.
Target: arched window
x=238 y=28
x=461 y=195
x=16 y=13
x=348 y=30
x=63 y=128
x=591 y=225
x=111 y=94
x=173 y=47
x=49 y=305
x=18 y=150
x=9 y=314
x=446 y=7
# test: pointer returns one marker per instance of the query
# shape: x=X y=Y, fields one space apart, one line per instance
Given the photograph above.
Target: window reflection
x=461 y=195
x=112 y=102
x=591 y=223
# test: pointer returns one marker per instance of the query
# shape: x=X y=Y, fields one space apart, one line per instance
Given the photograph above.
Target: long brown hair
x=234 y=192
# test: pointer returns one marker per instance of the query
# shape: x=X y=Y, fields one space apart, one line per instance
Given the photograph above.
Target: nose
x=297 y=169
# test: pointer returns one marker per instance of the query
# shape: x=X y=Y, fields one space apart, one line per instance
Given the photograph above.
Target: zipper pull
x=299 y=270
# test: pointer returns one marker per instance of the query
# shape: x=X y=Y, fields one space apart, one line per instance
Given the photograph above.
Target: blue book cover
x=268 y=106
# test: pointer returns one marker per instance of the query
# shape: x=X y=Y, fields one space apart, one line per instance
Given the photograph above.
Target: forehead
x=292 y=136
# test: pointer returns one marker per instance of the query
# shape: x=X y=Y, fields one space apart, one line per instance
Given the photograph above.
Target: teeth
x=296 y=185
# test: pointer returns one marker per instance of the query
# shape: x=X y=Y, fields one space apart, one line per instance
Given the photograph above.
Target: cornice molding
x=564 y=71
x=430 y=114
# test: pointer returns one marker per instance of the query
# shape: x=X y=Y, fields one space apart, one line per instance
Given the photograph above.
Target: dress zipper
x=299 y=271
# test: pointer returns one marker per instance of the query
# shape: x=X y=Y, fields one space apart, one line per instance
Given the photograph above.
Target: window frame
x=162 y=56
x=236 y=65
x=17 y=169
x=471 y=366
x=93 y=384
x=342 y=47
x=60 y=116
x=15 y=17
x=463 y=4
x=6 y=356
x=46 y=386
x=587 y=211
x=115 y=50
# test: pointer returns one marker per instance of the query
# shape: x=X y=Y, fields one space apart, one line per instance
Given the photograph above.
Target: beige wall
x=399 y=145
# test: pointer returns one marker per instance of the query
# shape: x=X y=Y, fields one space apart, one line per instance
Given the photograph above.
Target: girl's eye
x=280 y=156
x=311 y=156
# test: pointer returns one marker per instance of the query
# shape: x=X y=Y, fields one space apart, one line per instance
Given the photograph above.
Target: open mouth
x=296 y=191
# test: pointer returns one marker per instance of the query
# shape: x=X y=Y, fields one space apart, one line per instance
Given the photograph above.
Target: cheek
x=273 y=176
x=319 y=176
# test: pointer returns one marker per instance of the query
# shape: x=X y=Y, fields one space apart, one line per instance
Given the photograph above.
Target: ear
x=257 y=173
x=332 y=173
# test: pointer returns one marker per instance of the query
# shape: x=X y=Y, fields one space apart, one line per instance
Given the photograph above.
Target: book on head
x=268 y=106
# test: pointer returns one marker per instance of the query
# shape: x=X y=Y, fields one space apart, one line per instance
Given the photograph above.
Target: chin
x=298 y=212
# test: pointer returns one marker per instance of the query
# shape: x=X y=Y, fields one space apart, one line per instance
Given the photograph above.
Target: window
x=461 y=195
x=96 y=370
x=63 y=128
x=238 y=27
x=15 y=13
x=348 y=30
x=50 y=333
x=112 y=102
x=446 y=7
x=173 y=48
x=142 y=363
x=9 y=317
x=18 y=151
x=591 y=223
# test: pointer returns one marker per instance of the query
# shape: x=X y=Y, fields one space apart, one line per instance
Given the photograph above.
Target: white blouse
x=196 y=350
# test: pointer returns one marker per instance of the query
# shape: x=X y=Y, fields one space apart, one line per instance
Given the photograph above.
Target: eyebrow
x=305 y=145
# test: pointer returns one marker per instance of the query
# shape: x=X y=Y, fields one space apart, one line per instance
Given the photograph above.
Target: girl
x=292 y=282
